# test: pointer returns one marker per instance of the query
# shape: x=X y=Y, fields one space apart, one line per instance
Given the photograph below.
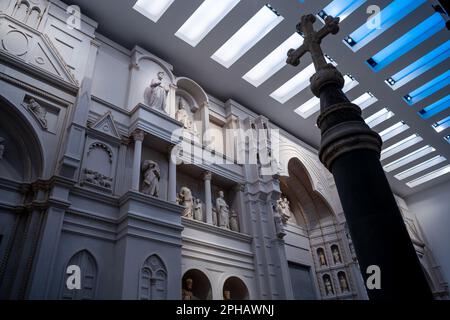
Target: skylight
x=365 y=100
x=204 y=19
x=390 y=15
x=340 y=8
x=420 y=167
x=152 y=9
x=407 y=42
x=428 y=88
x=447 y=138
x=400 y=146
x=379 y=117
x=422 y=152
x=393 y=131
x=420 y=66
x=273 y=62
x=247 y=36
x=441 y=125
x=430 y=176
x=435 y=108
x=313 y=105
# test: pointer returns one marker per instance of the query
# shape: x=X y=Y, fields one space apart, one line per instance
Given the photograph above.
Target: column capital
x=138 y=135
x=239 y=188
x=207 y=176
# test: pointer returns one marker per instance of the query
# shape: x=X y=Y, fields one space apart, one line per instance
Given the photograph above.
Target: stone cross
x=312 y=40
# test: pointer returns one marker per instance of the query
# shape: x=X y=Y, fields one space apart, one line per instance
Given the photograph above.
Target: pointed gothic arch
x=89 y=272
x=153 y=279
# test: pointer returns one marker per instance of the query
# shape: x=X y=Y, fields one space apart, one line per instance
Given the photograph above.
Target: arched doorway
x=196 y=286
x=235 y=289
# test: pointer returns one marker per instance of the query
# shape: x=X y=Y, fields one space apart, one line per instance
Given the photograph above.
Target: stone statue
x=336 y=255
x=183 y=116
x=2 y=147
x=152 y=175
x=284 y=209
x=214 y=217
x=227 y=295
x=198 y=210
x=186 y=292
x=156 y=94
x=322 y=258
x=234 y=221
x=223 y=211
x=279 y=225
x=343 y=282
x=328 y=286
x=186 y=200
x=39 y=111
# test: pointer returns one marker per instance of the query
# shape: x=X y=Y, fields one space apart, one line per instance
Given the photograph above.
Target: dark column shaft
x=376 y=225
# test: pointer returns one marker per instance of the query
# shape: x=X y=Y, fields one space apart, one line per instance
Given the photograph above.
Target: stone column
x=171 y=105
x=208 y=197
x=138 y=137
x=351 y=152
x=239 y=189
x=172 y=188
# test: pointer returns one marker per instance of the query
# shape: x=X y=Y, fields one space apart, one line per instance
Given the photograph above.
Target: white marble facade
x=86 y=179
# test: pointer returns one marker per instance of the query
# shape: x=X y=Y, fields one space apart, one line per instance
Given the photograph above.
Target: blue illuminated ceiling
x=390 y=61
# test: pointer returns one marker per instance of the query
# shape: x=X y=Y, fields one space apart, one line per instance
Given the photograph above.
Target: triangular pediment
x=18 y=42
x=107 y=126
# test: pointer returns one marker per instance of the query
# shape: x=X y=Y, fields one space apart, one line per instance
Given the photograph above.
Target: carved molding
x=97 y=180
x=102 y=146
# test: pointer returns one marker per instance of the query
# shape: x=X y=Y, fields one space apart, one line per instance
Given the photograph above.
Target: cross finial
x=312 y=40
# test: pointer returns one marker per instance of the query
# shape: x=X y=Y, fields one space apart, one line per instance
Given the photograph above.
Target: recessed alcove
x=236 y=288
x=201 y=286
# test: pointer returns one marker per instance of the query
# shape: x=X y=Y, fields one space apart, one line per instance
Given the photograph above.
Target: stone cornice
x=198 y=225
x=132 y=195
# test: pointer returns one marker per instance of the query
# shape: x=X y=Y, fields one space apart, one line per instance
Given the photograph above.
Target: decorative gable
x=35 y=51
x=107 y=126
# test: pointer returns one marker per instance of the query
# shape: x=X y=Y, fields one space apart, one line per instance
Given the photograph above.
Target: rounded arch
x=235 y=289
x=161 y=64
x=193 y=89
x=22 y=151
x=196 y=285
x=309 y=207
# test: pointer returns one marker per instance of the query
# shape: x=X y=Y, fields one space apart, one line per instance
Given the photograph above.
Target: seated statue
x=284 y=209
x=198 y=210
x=186 y=200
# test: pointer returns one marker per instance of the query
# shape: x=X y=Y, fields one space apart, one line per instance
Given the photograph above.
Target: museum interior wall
x=89 y=131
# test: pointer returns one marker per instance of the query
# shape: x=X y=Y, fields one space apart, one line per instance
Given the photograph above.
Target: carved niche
x=98 y=167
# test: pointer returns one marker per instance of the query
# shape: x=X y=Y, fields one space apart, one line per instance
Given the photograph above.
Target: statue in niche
x=226 y=295
x=39 y=111
x=152 y=175
x=279 y=225
x=328 y=285
x=343 y=282
x=183 y=116
x=336 y=254
x=223 y=211
x=156 y=94
x=284 y=209
x=186 y=200
x=2 y=147
x=234 y=221
x=322 y=258
x=187 y=291
x=198 y=210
